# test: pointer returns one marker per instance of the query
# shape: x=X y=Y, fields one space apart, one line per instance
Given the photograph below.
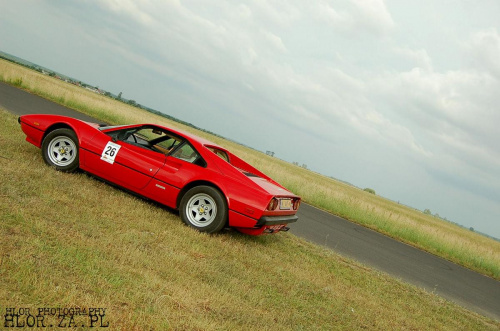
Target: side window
x=149 y=134
x=219 y=153
x=138 y=136
x=122 y=135
x=168 y=144
x=148 y=137
x=186 y=153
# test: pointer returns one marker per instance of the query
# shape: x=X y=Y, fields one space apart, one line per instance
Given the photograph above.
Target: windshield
x=107 y=127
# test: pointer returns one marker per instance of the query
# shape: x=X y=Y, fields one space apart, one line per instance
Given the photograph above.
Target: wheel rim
x=62 y=151
x=201 y=210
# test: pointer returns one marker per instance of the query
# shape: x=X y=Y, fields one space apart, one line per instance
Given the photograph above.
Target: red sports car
x=211 y=188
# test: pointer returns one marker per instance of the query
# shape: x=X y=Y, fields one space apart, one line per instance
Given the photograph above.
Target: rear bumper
x=266 y=224
x=276 y=220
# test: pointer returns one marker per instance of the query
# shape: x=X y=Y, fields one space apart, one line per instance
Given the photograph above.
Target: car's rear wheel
x=60 y=150
x=204 y=208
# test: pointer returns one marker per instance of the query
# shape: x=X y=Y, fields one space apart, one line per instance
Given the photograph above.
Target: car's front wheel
x=204 y=208
x=60 y=150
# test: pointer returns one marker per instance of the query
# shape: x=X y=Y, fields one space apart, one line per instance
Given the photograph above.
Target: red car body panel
x=164 y=178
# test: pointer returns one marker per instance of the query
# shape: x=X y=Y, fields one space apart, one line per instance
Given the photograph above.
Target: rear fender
x=195 y=183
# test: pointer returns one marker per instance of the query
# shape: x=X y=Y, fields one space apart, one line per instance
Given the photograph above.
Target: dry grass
x=408 y=225
x=68 y=240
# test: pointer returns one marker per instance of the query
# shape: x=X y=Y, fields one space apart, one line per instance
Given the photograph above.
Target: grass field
x=408 y=225
x=71 y=241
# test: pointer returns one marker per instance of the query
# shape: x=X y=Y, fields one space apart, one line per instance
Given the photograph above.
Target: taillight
x=296 y=204
x=273 y=204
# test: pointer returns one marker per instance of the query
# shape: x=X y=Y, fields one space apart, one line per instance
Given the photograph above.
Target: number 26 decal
x=109 y=152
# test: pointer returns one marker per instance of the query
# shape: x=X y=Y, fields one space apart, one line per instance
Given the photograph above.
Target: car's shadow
x=233 y=233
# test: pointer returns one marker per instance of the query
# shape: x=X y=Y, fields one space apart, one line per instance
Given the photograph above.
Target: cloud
x=210 y=51
x=274 y=41
x=138 y=11
x=373 y=14
x=325 y=11
x=355 y=17
x=484 y=48
x=418 y=58
x=453 y=115
x=277 y=13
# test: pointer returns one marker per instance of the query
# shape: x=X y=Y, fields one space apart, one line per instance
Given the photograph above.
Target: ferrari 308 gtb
x=211 y=187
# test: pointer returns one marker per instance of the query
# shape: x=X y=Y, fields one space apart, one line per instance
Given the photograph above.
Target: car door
x=183 y=165
x=125 y=158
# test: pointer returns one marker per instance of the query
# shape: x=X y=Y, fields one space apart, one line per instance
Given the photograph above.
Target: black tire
x=60 y=150
x=204 y=208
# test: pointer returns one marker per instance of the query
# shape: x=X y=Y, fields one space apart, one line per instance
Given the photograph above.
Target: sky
x=399 y=96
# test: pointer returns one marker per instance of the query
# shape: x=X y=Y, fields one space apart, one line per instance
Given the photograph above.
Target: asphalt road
x=467 y=288
x=20 y=102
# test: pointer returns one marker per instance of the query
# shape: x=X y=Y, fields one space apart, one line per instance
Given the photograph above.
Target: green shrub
x=369 y=190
